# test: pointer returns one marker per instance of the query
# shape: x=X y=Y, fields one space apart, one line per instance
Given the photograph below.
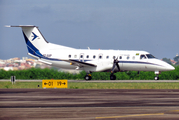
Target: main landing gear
x=112 y=77
x=88 y=77
x=115 y=63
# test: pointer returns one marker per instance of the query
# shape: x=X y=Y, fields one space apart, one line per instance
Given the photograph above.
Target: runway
x=88 y=104
x=103 y=81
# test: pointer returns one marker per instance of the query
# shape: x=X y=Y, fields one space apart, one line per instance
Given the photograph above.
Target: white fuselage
x=103 y=59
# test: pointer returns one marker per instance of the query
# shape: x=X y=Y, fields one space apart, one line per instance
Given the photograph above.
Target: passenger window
x=107 y=57
x=100 y=57
x=75 y=56
x=87 y=56
x=114 y=57
x=142 y=57
x=127 y=57
x=120 y=57
x=133 y=57
x=81 y=56
x=94 y=56
x=69 y=56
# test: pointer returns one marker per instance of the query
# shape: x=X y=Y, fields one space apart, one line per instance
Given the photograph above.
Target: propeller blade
x=118 y=66
x=115 y=63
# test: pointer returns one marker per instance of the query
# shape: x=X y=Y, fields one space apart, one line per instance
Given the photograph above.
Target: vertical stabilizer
x=34 y=39
x=36 y=43
x=33 y=35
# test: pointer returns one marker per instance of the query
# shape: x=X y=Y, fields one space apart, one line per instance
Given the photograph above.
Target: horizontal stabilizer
x=39 y=59
x=33 y=56
x=44 y=62
x=20 y=26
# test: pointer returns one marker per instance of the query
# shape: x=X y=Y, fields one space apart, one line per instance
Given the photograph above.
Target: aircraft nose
x=165 y=67
x=170 y=68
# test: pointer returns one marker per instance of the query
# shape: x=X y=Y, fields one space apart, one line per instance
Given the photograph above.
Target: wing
x=79 y=63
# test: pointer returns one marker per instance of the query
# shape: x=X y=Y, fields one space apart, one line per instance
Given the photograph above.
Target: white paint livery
x=89 y=60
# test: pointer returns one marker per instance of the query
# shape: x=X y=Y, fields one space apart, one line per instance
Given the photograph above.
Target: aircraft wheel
x=156 y=78
x=87 y=77
x=112 y=77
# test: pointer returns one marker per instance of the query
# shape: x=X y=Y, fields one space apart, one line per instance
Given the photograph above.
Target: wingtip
x=7 y=26
x=21 y=26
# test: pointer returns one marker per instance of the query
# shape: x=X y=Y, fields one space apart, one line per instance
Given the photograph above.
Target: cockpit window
x=150 y=56
x=142 y=57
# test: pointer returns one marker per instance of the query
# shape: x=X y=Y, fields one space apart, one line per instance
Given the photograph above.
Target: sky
x=148 y=25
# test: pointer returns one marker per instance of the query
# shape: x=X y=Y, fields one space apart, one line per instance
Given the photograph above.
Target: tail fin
x=36 y=43
x=34 y=39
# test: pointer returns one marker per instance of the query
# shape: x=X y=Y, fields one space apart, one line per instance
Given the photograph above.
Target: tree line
x=168 y=60
x=37 y=73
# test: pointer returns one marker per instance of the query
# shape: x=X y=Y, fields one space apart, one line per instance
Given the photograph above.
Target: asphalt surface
x=88 y=104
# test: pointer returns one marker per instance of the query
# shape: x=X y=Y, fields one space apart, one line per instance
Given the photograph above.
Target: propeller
x=115 y=63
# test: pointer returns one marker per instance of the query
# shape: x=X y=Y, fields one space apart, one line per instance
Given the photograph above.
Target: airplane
x=89 y=60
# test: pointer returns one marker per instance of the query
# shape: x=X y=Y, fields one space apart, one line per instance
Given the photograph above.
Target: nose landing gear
x=157 y=73
x=156 y=77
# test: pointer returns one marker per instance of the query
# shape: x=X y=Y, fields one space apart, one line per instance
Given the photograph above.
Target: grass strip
x=81 y=85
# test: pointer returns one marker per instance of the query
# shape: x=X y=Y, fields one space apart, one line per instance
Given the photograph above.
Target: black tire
x=156 y=78
x=112 y=77
x=87 y=77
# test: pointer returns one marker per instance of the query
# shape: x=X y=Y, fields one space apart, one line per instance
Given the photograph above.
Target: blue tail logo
x=35 y=36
